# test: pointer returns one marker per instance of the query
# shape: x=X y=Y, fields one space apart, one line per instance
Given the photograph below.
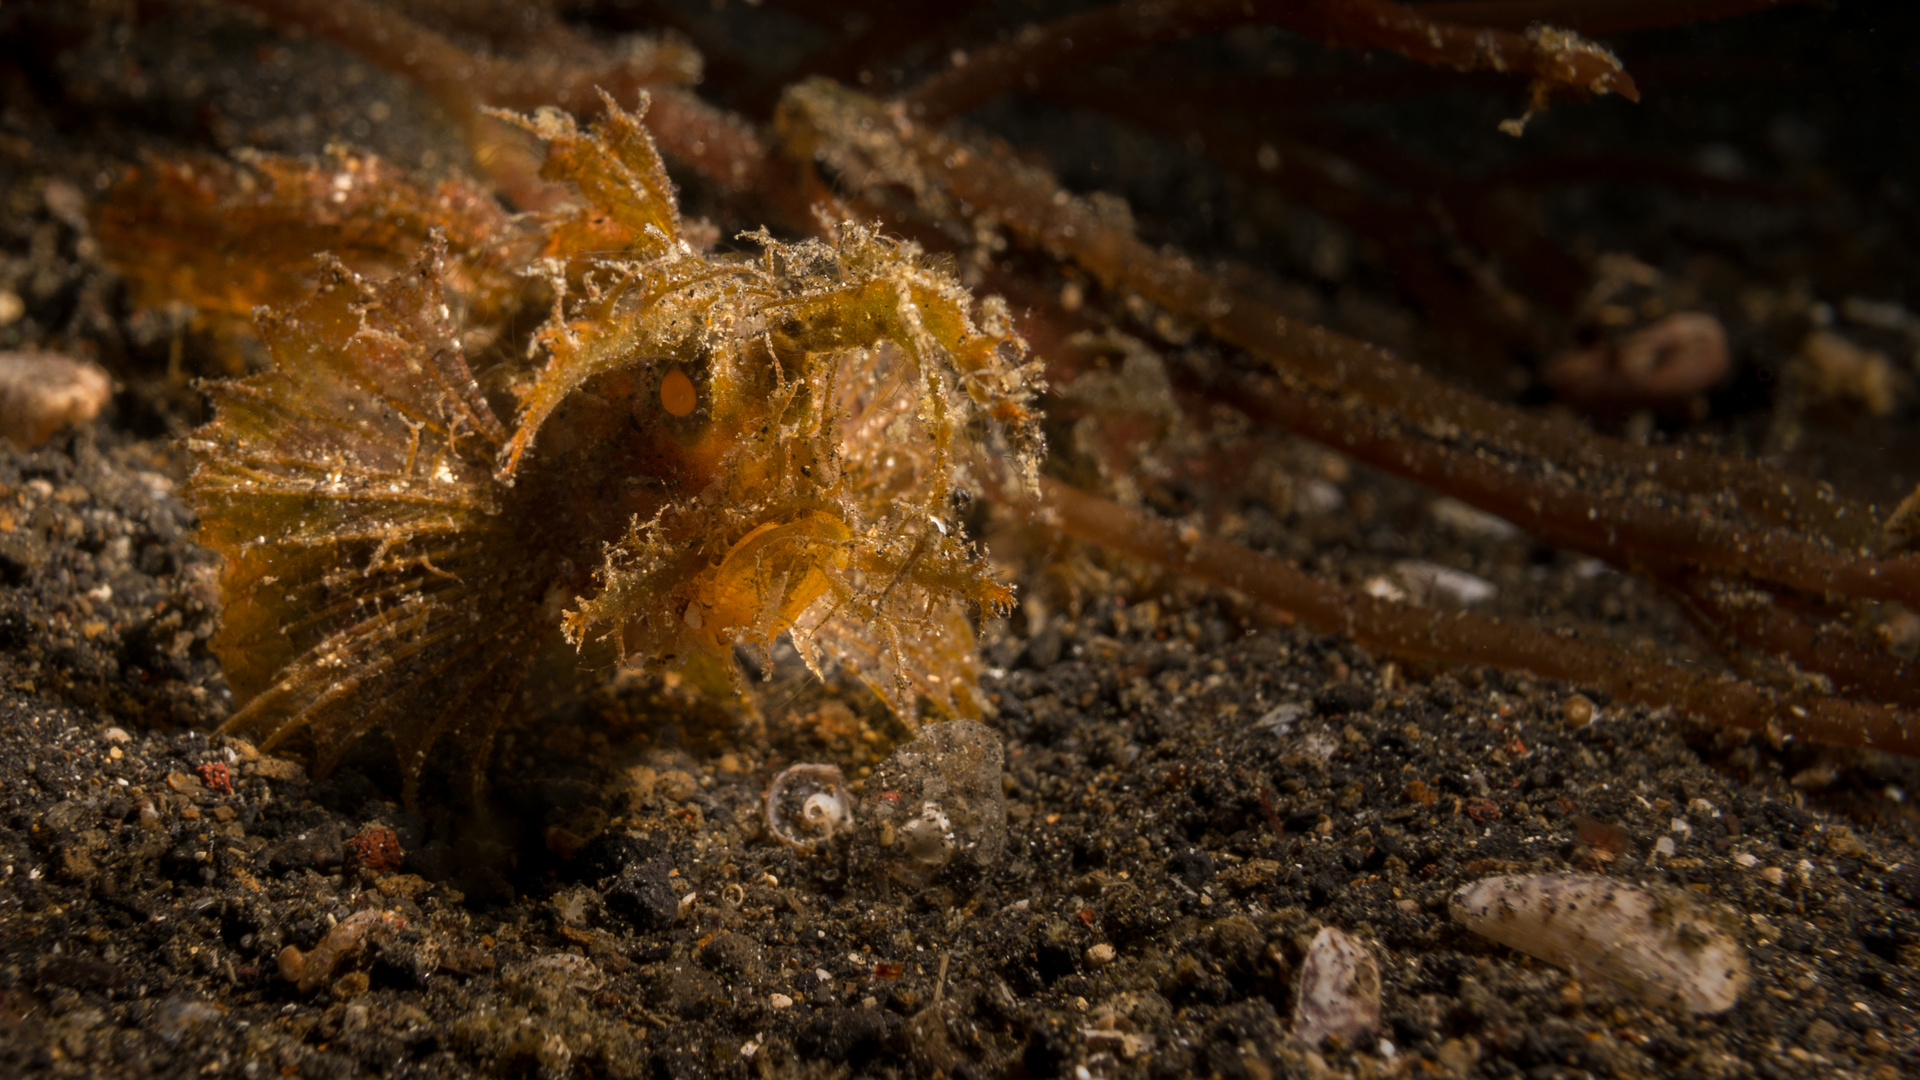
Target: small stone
x=186 y=784
x=1471 y=521
x=1100 y=955
x=1431 y=583
x=676 y=786
x=1772 y=875
x=42 y=393
x=780 y=1001
x=272 y=768
x=567 y=969
x=1339 y=993
x=1577 y=711
x=1819 y=1036
x=1458 y=1056
x=351 y=985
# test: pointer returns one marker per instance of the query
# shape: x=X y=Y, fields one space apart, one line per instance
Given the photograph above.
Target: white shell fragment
x=1660 y=945
x=1339 y=990
x=1432 y=584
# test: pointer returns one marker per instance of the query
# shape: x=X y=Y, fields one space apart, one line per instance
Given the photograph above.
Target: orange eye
x=677 y=395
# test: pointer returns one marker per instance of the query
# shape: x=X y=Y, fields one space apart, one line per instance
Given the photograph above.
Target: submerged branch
x=1595 y=16
x=1554 y=59
x=1632 y=504
x=1457 y=637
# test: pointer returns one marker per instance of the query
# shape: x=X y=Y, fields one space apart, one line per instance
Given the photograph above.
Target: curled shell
x=1660 y=945
x=807 y=805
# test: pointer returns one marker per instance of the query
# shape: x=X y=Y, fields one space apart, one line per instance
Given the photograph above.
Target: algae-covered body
x=717 y=449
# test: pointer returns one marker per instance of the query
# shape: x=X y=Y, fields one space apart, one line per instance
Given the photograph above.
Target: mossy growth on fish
x=714 y=450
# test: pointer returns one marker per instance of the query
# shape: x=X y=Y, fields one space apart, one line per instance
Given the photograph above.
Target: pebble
x=271 y=768
x=1339 y=993
x=1471 y=520
x=40 y=393
x=186 y=784
x=1429 y=582
x=1577 y=711
x=1099 y=956
x=567 y=969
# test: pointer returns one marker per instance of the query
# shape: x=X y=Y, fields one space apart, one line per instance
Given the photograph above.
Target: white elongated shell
x=1660 y=945
x=1339 y=990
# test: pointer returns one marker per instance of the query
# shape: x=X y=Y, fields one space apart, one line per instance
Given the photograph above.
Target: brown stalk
x=1779 y=628
x=1457 y=637
x=1663 y=511
x=1401 y=230
x=1623 y=529
x=1739 y=620
x=1652 y=504
x=1594 y=16
x=1363 y=24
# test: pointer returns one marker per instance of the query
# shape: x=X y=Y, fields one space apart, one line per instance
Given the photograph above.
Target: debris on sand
x=937 y=805
x=308 y=970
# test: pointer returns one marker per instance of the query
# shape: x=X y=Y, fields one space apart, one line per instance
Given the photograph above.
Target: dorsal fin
x=627 y=208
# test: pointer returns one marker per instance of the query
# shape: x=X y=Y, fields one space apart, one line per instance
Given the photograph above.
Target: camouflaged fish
x=718 y=449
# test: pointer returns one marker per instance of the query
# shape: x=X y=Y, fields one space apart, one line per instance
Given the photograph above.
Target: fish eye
x=677 y=394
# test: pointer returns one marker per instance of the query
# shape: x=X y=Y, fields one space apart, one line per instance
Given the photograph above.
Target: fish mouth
x=767 y=580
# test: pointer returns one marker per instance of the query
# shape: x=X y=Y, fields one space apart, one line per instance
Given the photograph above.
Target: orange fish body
x=717 y=450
